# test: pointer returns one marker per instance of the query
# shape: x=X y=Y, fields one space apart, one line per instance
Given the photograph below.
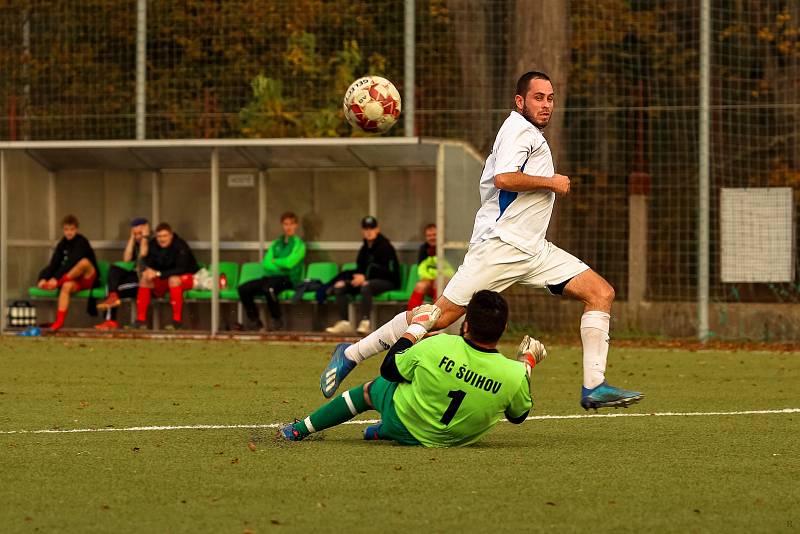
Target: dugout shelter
x=225 y=197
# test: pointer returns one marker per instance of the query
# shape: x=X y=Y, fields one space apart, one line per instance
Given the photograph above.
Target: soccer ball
x=372 y=104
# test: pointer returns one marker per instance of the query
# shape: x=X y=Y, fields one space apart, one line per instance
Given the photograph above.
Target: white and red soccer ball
x=372 y=104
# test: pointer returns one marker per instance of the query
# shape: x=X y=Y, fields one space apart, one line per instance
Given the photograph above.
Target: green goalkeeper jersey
x=457 y=391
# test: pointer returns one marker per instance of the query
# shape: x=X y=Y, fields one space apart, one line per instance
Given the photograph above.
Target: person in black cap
x=377 y=271
x=124 y=283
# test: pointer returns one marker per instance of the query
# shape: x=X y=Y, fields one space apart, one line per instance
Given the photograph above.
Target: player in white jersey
x=518 y=189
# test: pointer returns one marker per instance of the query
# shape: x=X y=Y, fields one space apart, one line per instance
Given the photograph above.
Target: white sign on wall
x=757 y=234
x=241 y=180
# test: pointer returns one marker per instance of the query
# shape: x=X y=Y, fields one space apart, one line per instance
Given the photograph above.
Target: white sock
x=378 y=341
x=594 y=335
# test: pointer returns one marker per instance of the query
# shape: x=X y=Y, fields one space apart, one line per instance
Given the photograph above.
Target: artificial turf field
x=721 y=473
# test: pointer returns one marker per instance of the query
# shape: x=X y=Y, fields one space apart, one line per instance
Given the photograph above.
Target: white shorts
x=494 y=264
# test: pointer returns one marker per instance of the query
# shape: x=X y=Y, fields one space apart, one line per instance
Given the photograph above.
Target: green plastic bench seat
x=324 y=271
x=231 y=271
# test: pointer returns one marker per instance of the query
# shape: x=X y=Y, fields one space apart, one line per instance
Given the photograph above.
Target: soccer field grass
x=733 y=473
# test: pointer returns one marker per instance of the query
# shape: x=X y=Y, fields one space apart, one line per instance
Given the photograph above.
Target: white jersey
x=519 y=219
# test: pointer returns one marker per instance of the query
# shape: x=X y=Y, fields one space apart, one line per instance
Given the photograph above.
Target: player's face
x=537 y=106
x=289 y=227
x=370 y=234
x=430 y=236
x=164 y=238
x=69 y=231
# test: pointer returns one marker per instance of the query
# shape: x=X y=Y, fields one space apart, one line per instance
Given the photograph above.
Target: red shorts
x=161 y=287
x=81 y=283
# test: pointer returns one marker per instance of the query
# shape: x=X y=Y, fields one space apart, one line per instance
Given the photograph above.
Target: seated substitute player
x=283 y=268
x=427 y=270
x=124 y=283
x=72 y=268
x=377 y=271
x=445 y=391
x=169 y=266
x=518 y=188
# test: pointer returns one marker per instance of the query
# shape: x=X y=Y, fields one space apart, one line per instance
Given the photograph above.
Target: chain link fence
x=626 y=73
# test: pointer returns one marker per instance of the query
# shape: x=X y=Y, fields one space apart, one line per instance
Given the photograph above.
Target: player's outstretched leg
x=597 y=296
x=338 y=368
x=343 y=408
x=343 y=360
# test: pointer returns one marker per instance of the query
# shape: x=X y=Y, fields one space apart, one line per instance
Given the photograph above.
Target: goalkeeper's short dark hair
x=524 y=82
x=487 y=315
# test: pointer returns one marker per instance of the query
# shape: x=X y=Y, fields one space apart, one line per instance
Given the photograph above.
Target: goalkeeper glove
x=530 y=352
x=423 y=318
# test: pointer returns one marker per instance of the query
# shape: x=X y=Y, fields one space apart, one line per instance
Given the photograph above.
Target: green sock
x=336 y=412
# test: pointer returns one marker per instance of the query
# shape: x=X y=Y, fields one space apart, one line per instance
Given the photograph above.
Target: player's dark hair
x=429 y=226
x=163 y=226
x=70 y=220
x=524 y=82
x=288 y=215
x=487 y=315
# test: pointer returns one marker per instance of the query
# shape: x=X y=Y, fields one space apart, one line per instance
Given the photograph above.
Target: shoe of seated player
x=289 y=433
x=338 y=368
x=137 y=325
x=112 y=301
x=174 y=325
x=107 y=325
x=341 y=327
x=373 y=432
x=606 y=396
x=364 y=327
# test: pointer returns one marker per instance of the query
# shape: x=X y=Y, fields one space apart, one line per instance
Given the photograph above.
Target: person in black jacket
x=377 y=271
x=72 y=268
x=169 y=266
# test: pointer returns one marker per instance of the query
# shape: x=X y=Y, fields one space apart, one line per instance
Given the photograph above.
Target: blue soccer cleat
x=338 y=368
x=606 y=396
x=373 y=432
x=290 y=433
x=31 y=331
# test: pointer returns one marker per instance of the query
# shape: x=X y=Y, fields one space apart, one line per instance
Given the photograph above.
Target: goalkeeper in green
x=443 y=391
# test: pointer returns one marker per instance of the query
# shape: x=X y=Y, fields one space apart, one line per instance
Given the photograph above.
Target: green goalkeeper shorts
x=382 y=394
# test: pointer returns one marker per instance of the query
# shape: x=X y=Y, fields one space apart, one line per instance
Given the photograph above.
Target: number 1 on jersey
x=450 y=412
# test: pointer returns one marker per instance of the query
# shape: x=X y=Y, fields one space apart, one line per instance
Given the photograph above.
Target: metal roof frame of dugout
x=457 y=168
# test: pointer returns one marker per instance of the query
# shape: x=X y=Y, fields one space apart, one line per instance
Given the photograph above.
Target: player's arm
x=518 y=181
x=398 y=365
x=513 y=154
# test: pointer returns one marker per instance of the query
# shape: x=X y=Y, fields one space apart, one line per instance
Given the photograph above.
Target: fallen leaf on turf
x=248 y=531
x=28 y=518
x=235 y=461
x=251 y=446
x=105 y=506
x=136 y=449
x=217 y=385
x=275 y=522
x=550 y=503
x=84 y=404
x=398 y=468
x=696 y=511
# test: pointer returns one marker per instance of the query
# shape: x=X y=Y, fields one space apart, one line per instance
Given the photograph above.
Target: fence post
x=3 y=240
x=141 y=67
x=409 y=82
x=215 y=240
x=703 y=174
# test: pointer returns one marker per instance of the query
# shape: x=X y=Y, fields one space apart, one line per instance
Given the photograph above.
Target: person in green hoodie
x=283 y=268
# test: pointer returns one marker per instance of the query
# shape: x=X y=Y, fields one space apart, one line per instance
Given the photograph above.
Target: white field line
x=373 y=421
